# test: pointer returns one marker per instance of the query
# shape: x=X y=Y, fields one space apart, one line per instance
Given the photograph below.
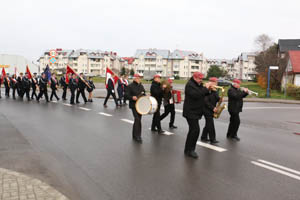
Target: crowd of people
x=200 y=99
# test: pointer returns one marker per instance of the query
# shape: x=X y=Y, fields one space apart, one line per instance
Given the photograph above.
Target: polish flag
x=28 y=72
x=109 y=75
x=69 y=71
x=3 y=74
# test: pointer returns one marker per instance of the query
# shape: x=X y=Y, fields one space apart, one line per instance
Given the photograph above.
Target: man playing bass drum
x=209 y=109
x=133 y=92
x=235 y=106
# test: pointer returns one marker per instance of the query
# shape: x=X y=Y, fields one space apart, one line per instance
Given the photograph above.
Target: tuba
x=220 y=107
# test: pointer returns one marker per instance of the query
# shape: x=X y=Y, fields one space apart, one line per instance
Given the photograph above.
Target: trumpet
x=215 y=87
x=243 y=88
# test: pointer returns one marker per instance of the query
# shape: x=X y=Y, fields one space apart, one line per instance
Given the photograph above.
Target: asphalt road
x=86 y=152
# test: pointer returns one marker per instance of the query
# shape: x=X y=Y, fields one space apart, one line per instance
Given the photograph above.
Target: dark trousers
x=108 y=95
x=137 y=125
x=33 y=94
x=233 y=125
x=156 y=119
x=14 y=93
x=80 y=91
x=64 y=95
x=7 y=88
x=209 y=128
x=27 y=92
x=45 y=93
x=193 y=135
x=121 y=96
x=72 y=96
x=53 y=93
x=170 y=108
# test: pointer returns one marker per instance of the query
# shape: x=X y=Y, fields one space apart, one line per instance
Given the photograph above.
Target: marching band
x=201 y=99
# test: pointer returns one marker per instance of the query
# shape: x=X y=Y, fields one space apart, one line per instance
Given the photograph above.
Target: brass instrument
x=219 y=107
x=250 y=92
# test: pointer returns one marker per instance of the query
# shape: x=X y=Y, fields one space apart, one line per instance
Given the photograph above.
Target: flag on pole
x=47 y=72
x=15 y=71
x=28 y=72
x=109 y=75
x=3 y=74
x=69 y=71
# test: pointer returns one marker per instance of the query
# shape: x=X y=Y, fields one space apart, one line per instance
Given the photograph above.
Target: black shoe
x=191 y=154
x=153 y=129
x=105 y=106
x=77 y=101
x=236 y=138
x=205 y=140
x=58 y=99
x=160 y=131
x=172 y=126
x=138 y=139
x=91 y=100
x=214 y=142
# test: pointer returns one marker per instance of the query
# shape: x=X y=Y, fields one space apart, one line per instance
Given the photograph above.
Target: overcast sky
x=219 y=29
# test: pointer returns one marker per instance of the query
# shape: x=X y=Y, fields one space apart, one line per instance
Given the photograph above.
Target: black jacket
x=194 y=99
x=63 y=82
x=43 y=84
x=81 y=84
x=156 y=91
x=6 y=82
x=34 y=82
x=211 y=101
x=110 y=86
x=120 y=88
x=167 y=95
x=235 y=100
x=73 y=85
x=92 y=86
x=134 y=89
x=54 y=84
x=26 y=83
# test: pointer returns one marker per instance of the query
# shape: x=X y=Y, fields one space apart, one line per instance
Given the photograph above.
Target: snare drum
x=146 y=105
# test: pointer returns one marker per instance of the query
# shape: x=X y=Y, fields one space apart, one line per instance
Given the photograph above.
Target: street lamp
x=269 y=74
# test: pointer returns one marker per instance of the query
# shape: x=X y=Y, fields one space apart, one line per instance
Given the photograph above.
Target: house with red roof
x=292 y=74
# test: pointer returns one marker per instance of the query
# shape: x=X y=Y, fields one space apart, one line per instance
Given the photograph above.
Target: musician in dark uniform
x=211 y=101
x=90 y=89
x=26 y=86
x=235 y=106
x=168 y=103
x=64 y=86
x=132 y=93
x=156 y=91
x=73 y=85
x=193 y=110
x=13 y=85
x=53 y=85
x=81 y=87
x=43 y=87
x=126 y=83
x=120 y=90
x=7 y=85
x=110 y=91
x=34 y=85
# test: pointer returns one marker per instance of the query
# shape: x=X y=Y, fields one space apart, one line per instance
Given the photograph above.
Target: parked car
x=222 y=82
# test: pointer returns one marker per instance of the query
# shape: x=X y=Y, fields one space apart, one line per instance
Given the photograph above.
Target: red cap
x=136 y=76
x=198 y=75
x=213 y=79
x=170 y=80
x=157 y=76
x=236 y=81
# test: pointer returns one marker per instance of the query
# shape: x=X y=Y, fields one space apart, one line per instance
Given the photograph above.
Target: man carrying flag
x=111 y=79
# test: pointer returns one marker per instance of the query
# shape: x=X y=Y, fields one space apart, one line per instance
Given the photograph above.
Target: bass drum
x=146 y=105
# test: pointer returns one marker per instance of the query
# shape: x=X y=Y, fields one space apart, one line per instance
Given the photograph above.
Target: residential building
x=285 y=45
x=128 y=63
x=87 y=61
x=225 y=64
x=245 y=64
x=292 y=74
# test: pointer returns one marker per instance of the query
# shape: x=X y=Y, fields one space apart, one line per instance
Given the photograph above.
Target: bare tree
x=263 y=42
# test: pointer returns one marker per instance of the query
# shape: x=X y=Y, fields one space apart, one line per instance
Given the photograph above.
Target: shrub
x=293 y=90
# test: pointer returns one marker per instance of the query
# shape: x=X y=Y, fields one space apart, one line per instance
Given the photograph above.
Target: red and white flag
x=69 y=71
x=28 y=72
x=109 y=75
x=3 y=74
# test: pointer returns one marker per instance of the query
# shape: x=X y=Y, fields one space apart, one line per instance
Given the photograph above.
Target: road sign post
x=269 y=77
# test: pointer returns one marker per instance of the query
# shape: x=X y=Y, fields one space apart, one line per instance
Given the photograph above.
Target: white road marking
x=128 y=121
x=180 y=111
x=67 y=104
x=105 y=114
x=165 y=132
x=83 y=108
x=280 y=167
x=209 y=146
x=54 y=101
x=276 y=170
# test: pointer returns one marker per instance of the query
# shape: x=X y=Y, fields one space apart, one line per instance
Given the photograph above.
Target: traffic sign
x=52 y=60
x=274 y=67
x=53 y=53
